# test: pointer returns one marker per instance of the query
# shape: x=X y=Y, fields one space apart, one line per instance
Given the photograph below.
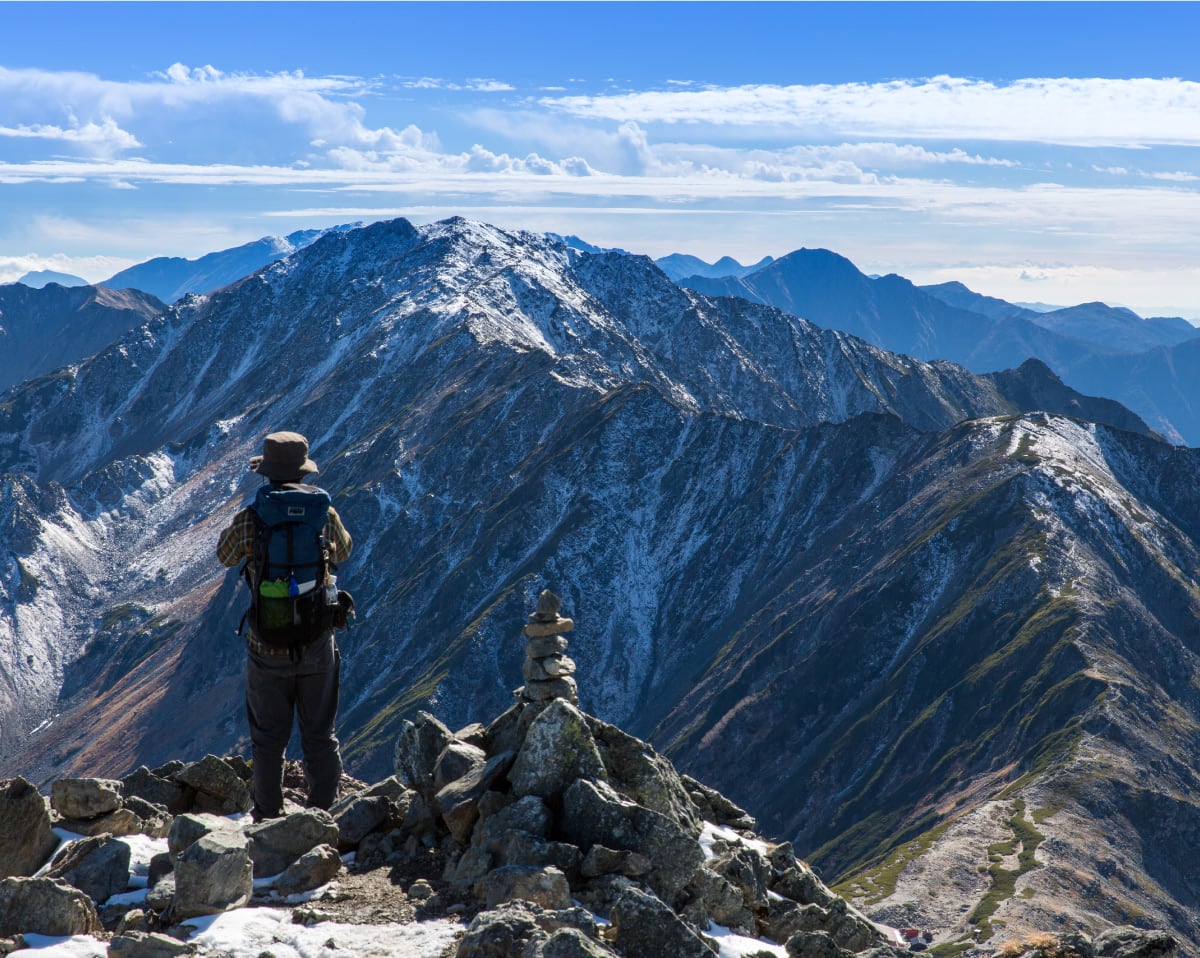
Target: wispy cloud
x=1082 y=112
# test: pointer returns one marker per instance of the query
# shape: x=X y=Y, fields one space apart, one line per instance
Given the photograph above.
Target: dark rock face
x=214 y=874
x=26 y=839
x=45 y=906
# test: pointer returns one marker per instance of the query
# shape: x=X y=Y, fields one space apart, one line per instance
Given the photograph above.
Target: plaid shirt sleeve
x=337 y=538
x=237 y=541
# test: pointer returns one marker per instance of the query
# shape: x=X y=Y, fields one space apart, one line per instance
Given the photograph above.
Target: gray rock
x=122 y=821
x=547 y=667
x=546 y=887
x=174 y=796
x=570 y=943
x=594 y=814
x=85 y=797
x=277 y=843
x=219 y=788
x=528 y=814
x=715 y=807
x=26 y=838
x=746 y=870
x=137 y=944
x=502 y=932
x=560 y=688
x=418 y=746
x=457 y=759
x=45 y=906
x=312 y=870
x=419 y=818
x=607 y=861
x=472 y=866
x=98 y=866
x=801 y=885
x=647 y=928
x=542 y=646
x=361 y=816
x=521 y=848
x=637 y=771
x=189 y=828
x=558 y=749
x=847 y=928
x=722 y=900
x=1128 y=942
x=213 y=875
x=813 y=944
x=457 y=803
x=781 y=920
x=473 y=734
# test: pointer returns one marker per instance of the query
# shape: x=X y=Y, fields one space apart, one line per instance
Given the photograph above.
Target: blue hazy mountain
x=679 y=266
x=38 y=278
x=1088 y=346
x=171 y=277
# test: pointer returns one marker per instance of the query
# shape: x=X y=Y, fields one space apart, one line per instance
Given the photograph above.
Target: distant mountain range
x=924 y=618
x=44 y=328
x=44 y=277
x=1147 y=365
x=680 y=266
x=172 y=277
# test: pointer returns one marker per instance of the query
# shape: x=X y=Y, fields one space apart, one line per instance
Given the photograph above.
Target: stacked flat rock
x=547 y=670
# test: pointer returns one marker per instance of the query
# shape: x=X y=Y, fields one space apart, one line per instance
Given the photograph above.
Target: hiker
x=292 y=660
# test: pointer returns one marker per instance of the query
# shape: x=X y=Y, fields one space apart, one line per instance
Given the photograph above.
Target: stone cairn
x=548 y=671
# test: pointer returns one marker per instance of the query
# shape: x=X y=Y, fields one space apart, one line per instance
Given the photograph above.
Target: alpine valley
x=936 y=627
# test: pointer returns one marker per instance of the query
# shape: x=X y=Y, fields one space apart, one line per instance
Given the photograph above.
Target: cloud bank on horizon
x=1057 y=189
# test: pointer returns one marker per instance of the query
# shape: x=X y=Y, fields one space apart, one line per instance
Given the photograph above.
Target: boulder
x=276 y=843
x=1125 y=941
x=85 y=797
x=97 y=866
x=715 y=807
x=546 y=887
x=544 y=645
x=26 y=838
x=801 y=885
x=637 y=771
x=122 y=821
x=213 y=875
x=174 y=796
x=528 y=814
x=521 y=848
x=457 y=803
x=457 y=759
x=722 y=901
x=502 y=932
x=356 y=819
x=418 y=746
x=746 y=870
x=646 y=928
x=45 y=906
x=139 y=944
x=219 y=788
x=846 y=928
x=813 y=944
x=570 y=943
x=594 y=814
x=189 y=828
x=558 y=749
x=607 y=861
x=311 y=870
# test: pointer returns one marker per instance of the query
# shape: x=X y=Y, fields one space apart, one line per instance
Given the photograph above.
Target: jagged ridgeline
x=912 y=621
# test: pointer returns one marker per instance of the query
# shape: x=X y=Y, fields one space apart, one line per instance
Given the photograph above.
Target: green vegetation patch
x=879 y=881
x=1024 y=844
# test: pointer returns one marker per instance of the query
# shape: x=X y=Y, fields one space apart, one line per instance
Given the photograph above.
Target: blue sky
x=1035 y=151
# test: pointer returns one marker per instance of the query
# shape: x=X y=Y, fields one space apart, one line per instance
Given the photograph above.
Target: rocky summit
x=544 y=834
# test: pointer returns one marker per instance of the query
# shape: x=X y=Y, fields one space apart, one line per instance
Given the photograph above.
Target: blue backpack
x=293 y=598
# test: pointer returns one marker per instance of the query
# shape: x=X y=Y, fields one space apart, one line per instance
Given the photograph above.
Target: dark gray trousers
x=278 y=690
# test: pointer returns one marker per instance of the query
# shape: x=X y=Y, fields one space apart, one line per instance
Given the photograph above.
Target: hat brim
x=272 y=472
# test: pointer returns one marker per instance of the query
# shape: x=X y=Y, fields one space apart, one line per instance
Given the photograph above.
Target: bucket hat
x=284 y=456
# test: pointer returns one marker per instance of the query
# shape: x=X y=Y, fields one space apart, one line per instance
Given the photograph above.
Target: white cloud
x=1083 y=112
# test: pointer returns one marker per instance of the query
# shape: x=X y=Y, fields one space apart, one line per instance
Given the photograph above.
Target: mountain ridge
x=721 y=488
